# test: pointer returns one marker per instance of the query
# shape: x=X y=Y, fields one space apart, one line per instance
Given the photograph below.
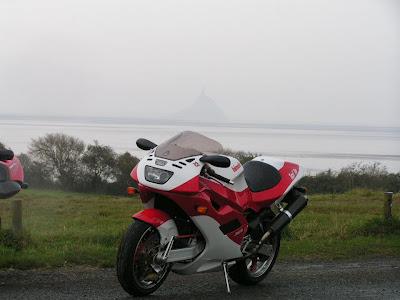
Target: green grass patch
x=63 y=229
x=343 y=226
x=66 y=229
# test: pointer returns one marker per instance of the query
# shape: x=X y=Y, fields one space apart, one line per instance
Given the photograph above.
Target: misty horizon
x=314 y=62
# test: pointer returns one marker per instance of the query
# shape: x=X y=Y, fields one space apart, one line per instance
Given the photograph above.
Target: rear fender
x=160 y=220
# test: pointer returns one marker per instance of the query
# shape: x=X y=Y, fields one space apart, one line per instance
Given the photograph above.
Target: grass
x=83 y=229
x=68 y=228
x=343 y=226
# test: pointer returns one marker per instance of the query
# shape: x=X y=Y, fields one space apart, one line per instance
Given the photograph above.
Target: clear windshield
x=186 y=144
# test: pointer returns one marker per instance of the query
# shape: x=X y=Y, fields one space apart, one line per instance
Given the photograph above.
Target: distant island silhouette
x=203 y=109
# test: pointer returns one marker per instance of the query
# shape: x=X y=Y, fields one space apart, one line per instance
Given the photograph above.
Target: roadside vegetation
x=371 y=176
x=66 y=229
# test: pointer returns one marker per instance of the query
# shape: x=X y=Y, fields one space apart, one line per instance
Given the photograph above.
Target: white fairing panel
x=276 y=163
x=300 y=174
x=218 y=248
x=182 y=169
x=185 y=171
x=231 y=172
x=167 y=230
x=234 y=173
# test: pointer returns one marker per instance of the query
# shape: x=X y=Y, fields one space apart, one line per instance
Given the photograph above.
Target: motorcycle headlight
x=157 y=175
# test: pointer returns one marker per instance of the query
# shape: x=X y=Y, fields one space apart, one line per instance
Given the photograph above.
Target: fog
x=312 y=61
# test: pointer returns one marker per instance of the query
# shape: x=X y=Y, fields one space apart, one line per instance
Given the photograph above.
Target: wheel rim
x=147 y=272
x=258 y=264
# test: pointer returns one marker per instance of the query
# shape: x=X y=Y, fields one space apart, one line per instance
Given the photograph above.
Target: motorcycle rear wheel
x=138 y=271
x=253 y=270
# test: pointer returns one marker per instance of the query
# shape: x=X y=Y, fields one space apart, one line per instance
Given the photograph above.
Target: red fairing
x=16 y=172
x=223 y=204
x=145 y=194
x=225 y=212
x=256 y=201
x=134 y=174
x=191 y=186
x=152 y=216
x=238 y=200
x=288 y=173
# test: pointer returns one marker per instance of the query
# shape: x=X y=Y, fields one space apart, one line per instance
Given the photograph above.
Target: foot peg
x=224 y=267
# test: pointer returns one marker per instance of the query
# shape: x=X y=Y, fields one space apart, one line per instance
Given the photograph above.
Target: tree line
x=372 y=176
x=65 y=162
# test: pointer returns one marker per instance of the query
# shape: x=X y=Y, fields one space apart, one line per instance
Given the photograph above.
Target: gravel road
x=371 y=279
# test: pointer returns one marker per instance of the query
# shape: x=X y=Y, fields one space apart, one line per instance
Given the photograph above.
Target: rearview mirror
x=145 y=144
x=216 y=160
x=6 y=155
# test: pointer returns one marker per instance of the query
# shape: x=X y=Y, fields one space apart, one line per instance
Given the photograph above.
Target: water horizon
x=317 y=146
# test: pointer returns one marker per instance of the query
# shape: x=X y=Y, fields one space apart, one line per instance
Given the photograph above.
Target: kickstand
x=228 y=288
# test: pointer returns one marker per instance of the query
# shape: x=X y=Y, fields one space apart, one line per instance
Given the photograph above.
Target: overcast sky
x=310 y=61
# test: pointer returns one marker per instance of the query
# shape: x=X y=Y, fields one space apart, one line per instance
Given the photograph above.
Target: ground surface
x=373 y=279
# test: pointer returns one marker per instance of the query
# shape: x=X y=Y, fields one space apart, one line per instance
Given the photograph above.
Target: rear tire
x=241 y=274
x=126 y=263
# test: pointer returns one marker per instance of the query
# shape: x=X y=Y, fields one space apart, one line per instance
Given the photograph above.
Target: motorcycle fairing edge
x=159 y=220
x=218 y=246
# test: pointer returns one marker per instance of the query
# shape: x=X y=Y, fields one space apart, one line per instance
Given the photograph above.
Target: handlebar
x=212 y=173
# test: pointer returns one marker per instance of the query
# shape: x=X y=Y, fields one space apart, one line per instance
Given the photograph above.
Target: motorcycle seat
x=260 y=176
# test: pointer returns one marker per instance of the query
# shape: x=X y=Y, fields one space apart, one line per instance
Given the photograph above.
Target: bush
x=61 y=161
x=379 y=226
x=15 y=241
x=36 y=174
x=357 y=175
x=99 y=165
x=124 y=164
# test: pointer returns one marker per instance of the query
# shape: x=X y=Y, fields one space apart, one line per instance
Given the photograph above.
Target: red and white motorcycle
x=205 y=212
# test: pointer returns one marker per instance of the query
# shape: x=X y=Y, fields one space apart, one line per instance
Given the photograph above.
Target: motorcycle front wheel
x=252 y=270
x=138 y=270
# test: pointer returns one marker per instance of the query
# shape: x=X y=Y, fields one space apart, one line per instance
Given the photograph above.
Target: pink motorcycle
x=11 y=174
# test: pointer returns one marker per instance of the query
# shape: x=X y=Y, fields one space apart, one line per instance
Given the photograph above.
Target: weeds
x=379 y=226
x=16 y=241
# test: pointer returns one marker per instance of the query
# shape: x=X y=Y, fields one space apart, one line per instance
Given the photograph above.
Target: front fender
x=160 y=220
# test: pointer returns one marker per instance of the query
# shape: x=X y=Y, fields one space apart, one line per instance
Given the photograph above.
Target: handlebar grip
x=212 y=173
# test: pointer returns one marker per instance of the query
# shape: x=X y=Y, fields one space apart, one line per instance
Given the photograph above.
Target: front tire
x=243 y=271
x=137 y=269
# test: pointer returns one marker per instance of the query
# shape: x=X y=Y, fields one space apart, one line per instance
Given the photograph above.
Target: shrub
x=99 y=164
x=379 y=226
x=15 y=241
x=357 y=175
